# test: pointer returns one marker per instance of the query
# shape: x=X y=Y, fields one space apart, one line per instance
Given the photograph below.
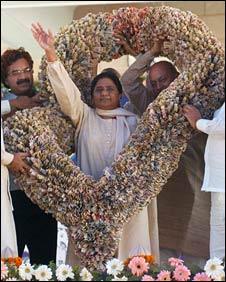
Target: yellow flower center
x=65 y=272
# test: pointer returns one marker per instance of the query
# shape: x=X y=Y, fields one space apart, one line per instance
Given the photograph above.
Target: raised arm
x=67 y=93
x=132 y=85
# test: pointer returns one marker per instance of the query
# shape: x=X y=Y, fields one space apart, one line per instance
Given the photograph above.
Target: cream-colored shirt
x=98 y=143
x=98 y=140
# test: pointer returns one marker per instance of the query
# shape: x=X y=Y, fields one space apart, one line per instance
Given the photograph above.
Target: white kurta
x=8 y=231
x=214 y=177
x=98 y=142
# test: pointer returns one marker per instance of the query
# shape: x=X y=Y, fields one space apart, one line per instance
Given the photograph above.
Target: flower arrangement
x=153 y=151
x=138 y=269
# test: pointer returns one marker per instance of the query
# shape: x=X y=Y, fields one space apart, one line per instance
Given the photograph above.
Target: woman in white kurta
x=214 y=176
x=101 y=133
x=8 y=231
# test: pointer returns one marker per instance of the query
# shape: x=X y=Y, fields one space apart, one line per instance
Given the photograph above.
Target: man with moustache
x=34 y=228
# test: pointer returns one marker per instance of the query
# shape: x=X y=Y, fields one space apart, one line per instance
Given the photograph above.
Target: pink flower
x=138 y=266
x=175 y=262
x=201 y=277
x=147 y=278
x=4 y=270
x=181 y=273
x=164 y=276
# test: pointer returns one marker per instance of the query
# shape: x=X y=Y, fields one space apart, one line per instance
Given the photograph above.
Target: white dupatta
x=123 y=129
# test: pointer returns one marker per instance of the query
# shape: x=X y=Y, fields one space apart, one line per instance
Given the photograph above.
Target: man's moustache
x=23 y=81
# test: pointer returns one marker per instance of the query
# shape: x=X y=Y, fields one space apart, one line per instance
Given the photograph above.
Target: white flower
x=86 y=275
x=26 y=271
x=12 y=279
x=63 y=272
x=220 y=276
x=43 y=273
x=124 y=278
x=114 y=267
x=213 y=267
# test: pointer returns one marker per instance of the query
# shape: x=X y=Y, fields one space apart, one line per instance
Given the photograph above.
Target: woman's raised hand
x=45 y=41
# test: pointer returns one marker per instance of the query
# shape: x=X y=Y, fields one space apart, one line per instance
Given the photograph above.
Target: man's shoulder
x=7 y=94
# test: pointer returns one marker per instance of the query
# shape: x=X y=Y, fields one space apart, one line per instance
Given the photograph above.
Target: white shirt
x=8 y=231
x=214 y=177
x=5 y=107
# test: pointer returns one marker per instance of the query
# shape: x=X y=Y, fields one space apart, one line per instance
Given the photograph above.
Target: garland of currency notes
x=95 y=211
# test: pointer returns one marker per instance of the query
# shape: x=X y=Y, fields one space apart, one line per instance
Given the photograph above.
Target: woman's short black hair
x=107 y=74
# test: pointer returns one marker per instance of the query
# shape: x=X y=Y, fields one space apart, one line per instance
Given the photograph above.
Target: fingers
x=40 y=27
x=117 y=35
x=120 y=41
x=35 y=34
x=188 y=108
x=184 y=109
x=24 y=169
x=19 y=164
x=50 y=34
x=187 y=115
x=34 y=27
x=23 y=155
x=37 y=99
x=37 y=30
x=119 y=38
x=166 y=45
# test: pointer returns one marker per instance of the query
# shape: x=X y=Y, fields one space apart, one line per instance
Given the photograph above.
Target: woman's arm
x=67 y=93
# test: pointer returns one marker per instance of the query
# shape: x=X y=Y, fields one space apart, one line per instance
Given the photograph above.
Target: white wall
x=16 y=22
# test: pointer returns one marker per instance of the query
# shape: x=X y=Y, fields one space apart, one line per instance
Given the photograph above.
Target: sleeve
x=215 y=126
x=6 y=158
x=67 y=93
x=132 y=84
x=5 y=107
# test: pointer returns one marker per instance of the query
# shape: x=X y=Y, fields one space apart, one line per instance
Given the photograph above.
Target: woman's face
x=106 y=95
